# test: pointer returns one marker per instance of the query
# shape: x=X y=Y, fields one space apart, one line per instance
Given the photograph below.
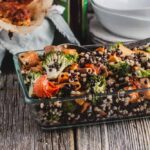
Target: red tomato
x=43 y=88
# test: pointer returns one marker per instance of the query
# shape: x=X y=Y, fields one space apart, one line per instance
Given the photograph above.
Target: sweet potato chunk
x=29 y=59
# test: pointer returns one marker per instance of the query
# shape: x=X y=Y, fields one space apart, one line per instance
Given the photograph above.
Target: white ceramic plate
x=100 y=33
x=121 y=25
x=138 y=13
x=123 y=4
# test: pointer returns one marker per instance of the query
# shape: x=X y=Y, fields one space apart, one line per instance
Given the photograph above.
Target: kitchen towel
x=40 y=37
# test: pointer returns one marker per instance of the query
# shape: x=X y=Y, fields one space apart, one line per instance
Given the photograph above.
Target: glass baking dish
x=87 y=109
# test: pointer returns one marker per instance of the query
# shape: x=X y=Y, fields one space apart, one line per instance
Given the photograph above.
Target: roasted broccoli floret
x=69 y=106
x=143 y=73
x=33 y=76
x=148 y=49
x=97 y=84
x=121 y=68
x=115 y=46
x=56 y=61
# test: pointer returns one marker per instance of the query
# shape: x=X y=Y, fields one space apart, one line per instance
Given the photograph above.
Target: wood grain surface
x=18 y=130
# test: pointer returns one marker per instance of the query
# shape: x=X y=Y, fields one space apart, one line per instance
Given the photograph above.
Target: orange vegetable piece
x=145 y=83
x=125 y=51
x=70 y=51
x=44 y=89
x=142 y=52
x=134 y=97
x=76 y=85
x=80 y=101
x=86 y=105
x=63 y=77
x=74 y=66
x=95 y=69
x=101 y=50
x=29 y=59
x=114 y=58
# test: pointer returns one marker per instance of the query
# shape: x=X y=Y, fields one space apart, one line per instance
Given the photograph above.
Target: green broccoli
x=56 y=61
x=97 y=84
x=148 y=49
x=143 y=73
x=115 y=46
x=33 y=76
x=69 y=106
x=121 y=68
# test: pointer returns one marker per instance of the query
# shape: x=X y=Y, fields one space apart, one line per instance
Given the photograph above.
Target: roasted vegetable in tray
x=111 y=77
x=100 y=71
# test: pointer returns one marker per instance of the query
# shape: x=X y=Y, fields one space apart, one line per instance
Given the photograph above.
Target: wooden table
x=18 y=131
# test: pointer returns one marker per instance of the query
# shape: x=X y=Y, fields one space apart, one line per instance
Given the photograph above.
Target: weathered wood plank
x=129 y=135
x=18 y=130
x=94 y=138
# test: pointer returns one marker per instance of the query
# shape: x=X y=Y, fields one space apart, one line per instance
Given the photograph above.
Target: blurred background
x=100 y=21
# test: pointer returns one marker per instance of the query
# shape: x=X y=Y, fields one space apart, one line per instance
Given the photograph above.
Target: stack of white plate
x=99 y=34
x=125 y=18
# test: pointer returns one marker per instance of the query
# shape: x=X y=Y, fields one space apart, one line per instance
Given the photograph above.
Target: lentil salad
x=104 y=70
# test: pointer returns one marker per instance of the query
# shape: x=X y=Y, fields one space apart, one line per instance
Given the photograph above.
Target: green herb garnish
x=115 y=46
x=121 y=68
x=97 y=84
x=143 y=73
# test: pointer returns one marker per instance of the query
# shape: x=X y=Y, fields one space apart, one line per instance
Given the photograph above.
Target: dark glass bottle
x=76 y=16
